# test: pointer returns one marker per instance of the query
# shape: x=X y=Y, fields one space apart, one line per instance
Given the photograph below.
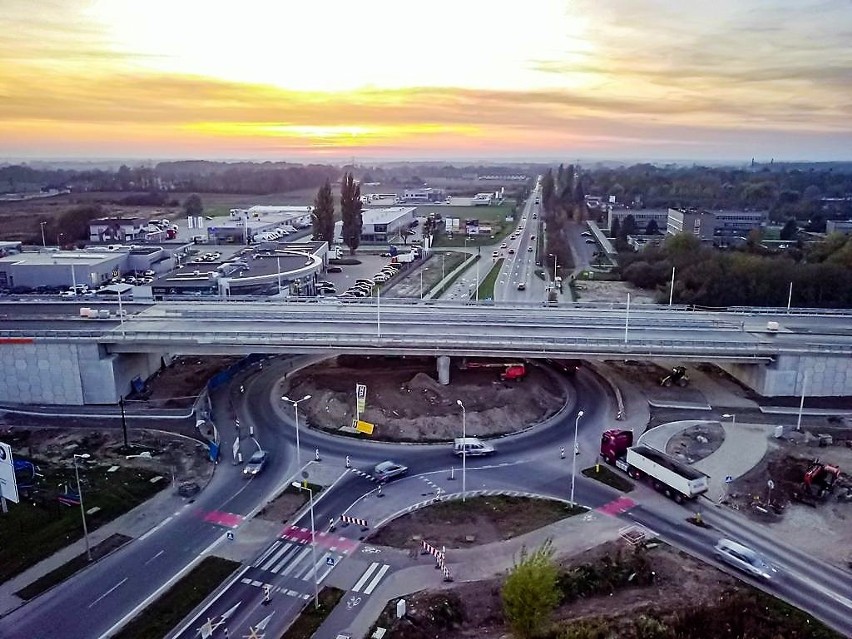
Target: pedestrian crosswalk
x=298 y=561
x=368 y=581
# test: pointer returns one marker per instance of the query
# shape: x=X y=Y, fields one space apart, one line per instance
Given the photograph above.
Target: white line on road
x=369 y=589
x=157 y=527
x=107 y=592
x=154 y=557
x=357 y=587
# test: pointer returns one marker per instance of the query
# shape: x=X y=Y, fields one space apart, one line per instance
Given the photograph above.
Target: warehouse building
x=381 y=225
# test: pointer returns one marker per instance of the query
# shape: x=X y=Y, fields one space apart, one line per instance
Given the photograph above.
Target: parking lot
x=369 y=266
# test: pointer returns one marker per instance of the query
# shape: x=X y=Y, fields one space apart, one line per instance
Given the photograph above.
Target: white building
x=381 y=225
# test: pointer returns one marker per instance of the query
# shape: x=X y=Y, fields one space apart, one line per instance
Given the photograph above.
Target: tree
x=530 y=592
x=790 y=230
x=323 y=218
x=628 y=226
x=192 y=205
x=350 y=209
x=615 y=231
x=548 y=189
x=653 y=228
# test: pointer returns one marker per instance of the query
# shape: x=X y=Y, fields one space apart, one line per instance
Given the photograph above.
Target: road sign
x=364 y=427
x=770 y=484
x=329 y=561
x=728 y=479
x=361 y=397
x=229 y=535
x=8 y=484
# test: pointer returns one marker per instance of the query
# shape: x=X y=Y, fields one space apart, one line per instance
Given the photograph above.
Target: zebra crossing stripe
x=369 y=589
x=295 y=562
x=276 y=556
x=360 y=583
x=266 y=554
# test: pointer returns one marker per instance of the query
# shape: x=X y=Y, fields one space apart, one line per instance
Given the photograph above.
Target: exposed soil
x=283 y=507
x=612 y=292
x=179 y=384
x=480 y=520
x=482 y=611
x=406 y=402
x=170 y=456
x=647 y=375
x=696 y=442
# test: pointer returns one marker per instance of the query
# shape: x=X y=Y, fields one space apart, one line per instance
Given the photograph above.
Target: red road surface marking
x=229 y=520
x=620 y=505
x=324 y=540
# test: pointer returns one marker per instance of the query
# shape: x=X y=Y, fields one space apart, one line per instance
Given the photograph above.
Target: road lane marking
x=154 y=557
x=107 y=592
x=369 y=589
x=267 y=552
x=274 y=559
x=157 y=527
x=360 y=583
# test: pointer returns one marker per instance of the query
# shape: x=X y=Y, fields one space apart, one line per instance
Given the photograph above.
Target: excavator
x=820 y=479
x=677 y=376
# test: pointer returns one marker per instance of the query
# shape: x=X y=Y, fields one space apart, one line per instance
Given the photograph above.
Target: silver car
x=744 y=558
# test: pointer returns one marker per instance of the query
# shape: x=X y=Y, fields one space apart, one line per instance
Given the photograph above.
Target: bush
x=530 y=593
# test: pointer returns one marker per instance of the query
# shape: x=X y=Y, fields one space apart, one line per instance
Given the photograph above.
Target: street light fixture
x=296 y=484
x=464 y=449
x=296 y=403
x=43 y=242
x=574 y=456
x=82 y=508
x=732 y=417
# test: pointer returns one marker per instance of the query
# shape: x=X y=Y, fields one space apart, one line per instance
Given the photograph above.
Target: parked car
x=471 y=446
x=334 y=269
x=380 y=278
x=744 y=558
x=255 y=463
x=387 y=470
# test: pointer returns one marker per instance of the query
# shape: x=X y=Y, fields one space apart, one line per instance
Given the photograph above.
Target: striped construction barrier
x=428 y=549
x=346 y=520
x=446 y=572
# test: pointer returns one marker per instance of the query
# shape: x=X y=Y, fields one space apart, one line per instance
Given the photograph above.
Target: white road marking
x=107 y=592
x=360 y=583
x=369 y=589
x=154 y=557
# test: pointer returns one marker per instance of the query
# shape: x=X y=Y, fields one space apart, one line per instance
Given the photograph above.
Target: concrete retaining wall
x=785 y=377
x=69 y=374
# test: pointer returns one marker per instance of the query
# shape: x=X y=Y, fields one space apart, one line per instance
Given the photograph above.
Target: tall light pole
x=732 y=417
x=43 y=242
x=627 y=318
x=378 y=311
x=790 y=298
x=464 y=449
x=574 y=456
x=671 y=290
x=296 y=484
x=443 y=264
x=296 y=403
x=82 y=508
x=802 y=402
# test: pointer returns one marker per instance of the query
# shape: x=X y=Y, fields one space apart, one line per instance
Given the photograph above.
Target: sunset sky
x=467 y=79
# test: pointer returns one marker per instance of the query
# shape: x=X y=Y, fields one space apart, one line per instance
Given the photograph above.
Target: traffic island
x=603 y=474
x=311 y=617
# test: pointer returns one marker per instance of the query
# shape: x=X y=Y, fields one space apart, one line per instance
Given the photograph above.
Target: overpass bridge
x=60 y=358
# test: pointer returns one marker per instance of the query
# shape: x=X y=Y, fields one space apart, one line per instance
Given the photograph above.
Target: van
x=471 y=446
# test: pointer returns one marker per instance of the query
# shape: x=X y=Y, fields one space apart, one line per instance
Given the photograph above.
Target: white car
x=744 y=558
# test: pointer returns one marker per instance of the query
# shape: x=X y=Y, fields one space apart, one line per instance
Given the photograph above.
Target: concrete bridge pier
x=444 y=369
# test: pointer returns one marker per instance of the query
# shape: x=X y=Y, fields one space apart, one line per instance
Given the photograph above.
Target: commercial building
x=838 y=226
x=380 y=226
x=424 y=195
x=243 y=226
x=641 y=216
x=698 y=223
x=721 y=226
x=265 y=269
x=118 y=229
x=58 y=269
x=737 y=224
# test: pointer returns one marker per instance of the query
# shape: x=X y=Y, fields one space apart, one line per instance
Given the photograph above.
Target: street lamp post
x=464 y=450
x=82 y=508
x=574 y=456
x=296 y=403
x=43 y=242
x=296 y=484
x=671 y=290
x=123 y=422
x=443 y=264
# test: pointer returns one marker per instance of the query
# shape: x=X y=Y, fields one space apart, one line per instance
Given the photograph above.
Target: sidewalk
x=570 y=536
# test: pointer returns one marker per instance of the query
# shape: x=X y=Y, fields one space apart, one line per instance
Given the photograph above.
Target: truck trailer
x=666 y=474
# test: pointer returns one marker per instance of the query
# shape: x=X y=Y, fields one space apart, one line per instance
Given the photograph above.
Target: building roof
x=386 y=216
x=50 y=258
x=123 y=221
x=273 y=210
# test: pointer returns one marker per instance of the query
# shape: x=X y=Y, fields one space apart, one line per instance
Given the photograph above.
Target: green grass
x=486 y=289
x=603 y=474
x=158 y=619
x=453 y=279
x=40 y=526
x=311 y=618
x=493 y=215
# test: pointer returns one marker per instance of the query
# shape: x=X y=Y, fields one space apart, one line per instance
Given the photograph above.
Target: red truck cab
x=614 y=444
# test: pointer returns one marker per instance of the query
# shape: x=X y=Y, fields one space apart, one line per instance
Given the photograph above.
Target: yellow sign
x=365 y=427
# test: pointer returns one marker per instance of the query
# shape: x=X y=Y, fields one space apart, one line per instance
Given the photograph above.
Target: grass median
x=311 y=618
x=605 y=475
x=158 y=619
x=486 y=289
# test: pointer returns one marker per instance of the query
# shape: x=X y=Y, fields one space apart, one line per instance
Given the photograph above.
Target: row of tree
x=786 y=192
x=350 y=211
x=563 y=203
x=819 y=275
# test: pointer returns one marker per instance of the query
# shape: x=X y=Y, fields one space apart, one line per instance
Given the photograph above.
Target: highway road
x=520 y=257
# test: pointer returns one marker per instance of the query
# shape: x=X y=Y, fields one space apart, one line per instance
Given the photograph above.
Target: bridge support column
x=444 y=369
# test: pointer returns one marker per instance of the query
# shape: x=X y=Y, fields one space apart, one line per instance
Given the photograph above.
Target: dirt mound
x=406 y=403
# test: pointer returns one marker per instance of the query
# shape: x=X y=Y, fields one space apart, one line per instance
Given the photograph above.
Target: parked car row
x=364 y=287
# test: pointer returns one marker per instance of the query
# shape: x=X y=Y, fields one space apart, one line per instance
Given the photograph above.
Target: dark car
x=387 y=470
x=334 y=269
x=256 y=463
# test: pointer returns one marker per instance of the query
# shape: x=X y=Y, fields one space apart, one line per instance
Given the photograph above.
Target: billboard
x=8 y=485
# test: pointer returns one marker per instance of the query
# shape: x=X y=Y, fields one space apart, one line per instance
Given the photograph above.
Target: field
x=493 y=215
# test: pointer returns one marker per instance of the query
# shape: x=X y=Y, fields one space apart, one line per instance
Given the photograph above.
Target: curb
x=813 y=412
x=679 y=405
x=622 y=413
